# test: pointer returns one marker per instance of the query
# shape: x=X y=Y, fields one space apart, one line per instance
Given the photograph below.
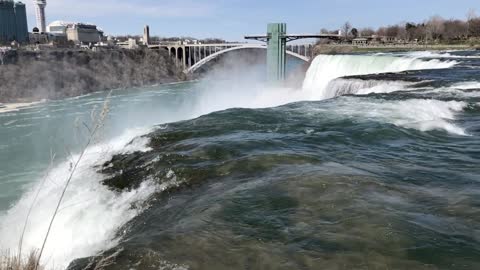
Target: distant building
x=58 y=27
x=360 y=41
x=78 y=33
x=13 y=22
x=130 y=44
x=21 y=22
x=146 y=35
x=81 y=33
x=386 y=39
x=38 y=38
x=40 y=14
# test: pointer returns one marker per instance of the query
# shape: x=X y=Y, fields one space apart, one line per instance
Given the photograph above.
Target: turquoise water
x=29 y=136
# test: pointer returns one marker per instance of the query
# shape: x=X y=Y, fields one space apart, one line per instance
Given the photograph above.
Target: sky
x=232 y=19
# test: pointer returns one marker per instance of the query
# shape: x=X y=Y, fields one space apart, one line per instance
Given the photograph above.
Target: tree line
x=435 y=29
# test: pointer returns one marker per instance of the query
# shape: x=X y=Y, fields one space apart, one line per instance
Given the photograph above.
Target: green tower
x=276 y=52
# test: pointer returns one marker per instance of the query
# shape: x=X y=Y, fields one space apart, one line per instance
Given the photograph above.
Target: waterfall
x=326 y=68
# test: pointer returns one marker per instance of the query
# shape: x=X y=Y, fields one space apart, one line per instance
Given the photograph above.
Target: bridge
x=193 y=56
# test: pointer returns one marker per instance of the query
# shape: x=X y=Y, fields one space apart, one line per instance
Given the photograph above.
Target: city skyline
x=233 y=19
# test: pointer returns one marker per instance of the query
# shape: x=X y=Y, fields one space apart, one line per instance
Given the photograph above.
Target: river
x=373 y=163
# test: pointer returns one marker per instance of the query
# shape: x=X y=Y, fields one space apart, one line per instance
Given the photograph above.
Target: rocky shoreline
x=32 y=76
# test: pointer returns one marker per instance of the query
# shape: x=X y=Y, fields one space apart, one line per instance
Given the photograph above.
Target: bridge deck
x=199 y=45
x=295 y=36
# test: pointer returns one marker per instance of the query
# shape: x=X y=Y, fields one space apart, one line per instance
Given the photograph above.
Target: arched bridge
x=193 y=56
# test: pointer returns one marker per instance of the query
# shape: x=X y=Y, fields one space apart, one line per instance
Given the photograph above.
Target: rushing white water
x=90 y=214
x=466 y=85
x=343 y=86
x=462 y=89
x=430 y=54
x=419 y=114
x=326 y=68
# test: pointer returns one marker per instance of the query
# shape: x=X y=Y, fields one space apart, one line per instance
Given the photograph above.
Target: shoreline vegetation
x=434 y=31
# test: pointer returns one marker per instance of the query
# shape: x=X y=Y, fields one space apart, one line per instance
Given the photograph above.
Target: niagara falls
x=276 y=146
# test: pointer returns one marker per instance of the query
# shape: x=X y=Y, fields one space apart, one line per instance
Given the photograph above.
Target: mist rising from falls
x=326 y=68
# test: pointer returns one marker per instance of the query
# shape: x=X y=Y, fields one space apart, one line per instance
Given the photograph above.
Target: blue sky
x=231 y=19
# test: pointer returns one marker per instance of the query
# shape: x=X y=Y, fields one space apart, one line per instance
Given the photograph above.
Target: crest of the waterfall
x=326 y=68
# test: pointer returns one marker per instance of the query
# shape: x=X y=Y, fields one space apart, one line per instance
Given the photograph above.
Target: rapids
x=372 y=163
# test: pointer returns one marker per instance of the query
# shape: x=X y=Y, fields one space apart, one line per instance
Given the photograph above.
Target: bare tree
x=455 y=30
x=435 y=27
x=402 y=33
x=472 y=14
x=392 y=31
x=382 y=31
x=420 y=32
x=474 y=28
x=410 y=29
x=366 y=32
x=346 y=30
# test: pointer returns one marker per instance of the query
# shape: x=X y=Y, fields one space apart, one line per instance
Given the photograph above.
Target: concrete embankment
x=31 y=76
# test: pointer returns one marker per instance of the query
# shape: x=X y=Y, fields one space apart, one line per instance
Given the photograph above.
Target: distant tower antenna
x=40 y=14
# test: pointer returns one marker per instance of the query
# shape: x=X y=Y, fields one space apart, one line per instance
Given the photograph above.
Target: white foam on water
x=341 y=86
x=420 y=114
x=90 y=213
x=436 y=54
x=462 y=89
x=326 y=68
x=467 y=85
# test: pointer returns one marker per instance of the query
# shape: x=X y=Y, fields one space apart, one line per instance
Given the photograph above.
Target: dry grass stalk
x=97 y=124
x=14 y=261
x=9 y=261
x=52 y=158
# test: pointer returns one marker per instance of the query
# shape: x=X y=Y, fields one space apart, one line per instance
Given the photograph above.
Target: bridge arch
x=173 y=52
x=180 y=54
x=247 y=46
